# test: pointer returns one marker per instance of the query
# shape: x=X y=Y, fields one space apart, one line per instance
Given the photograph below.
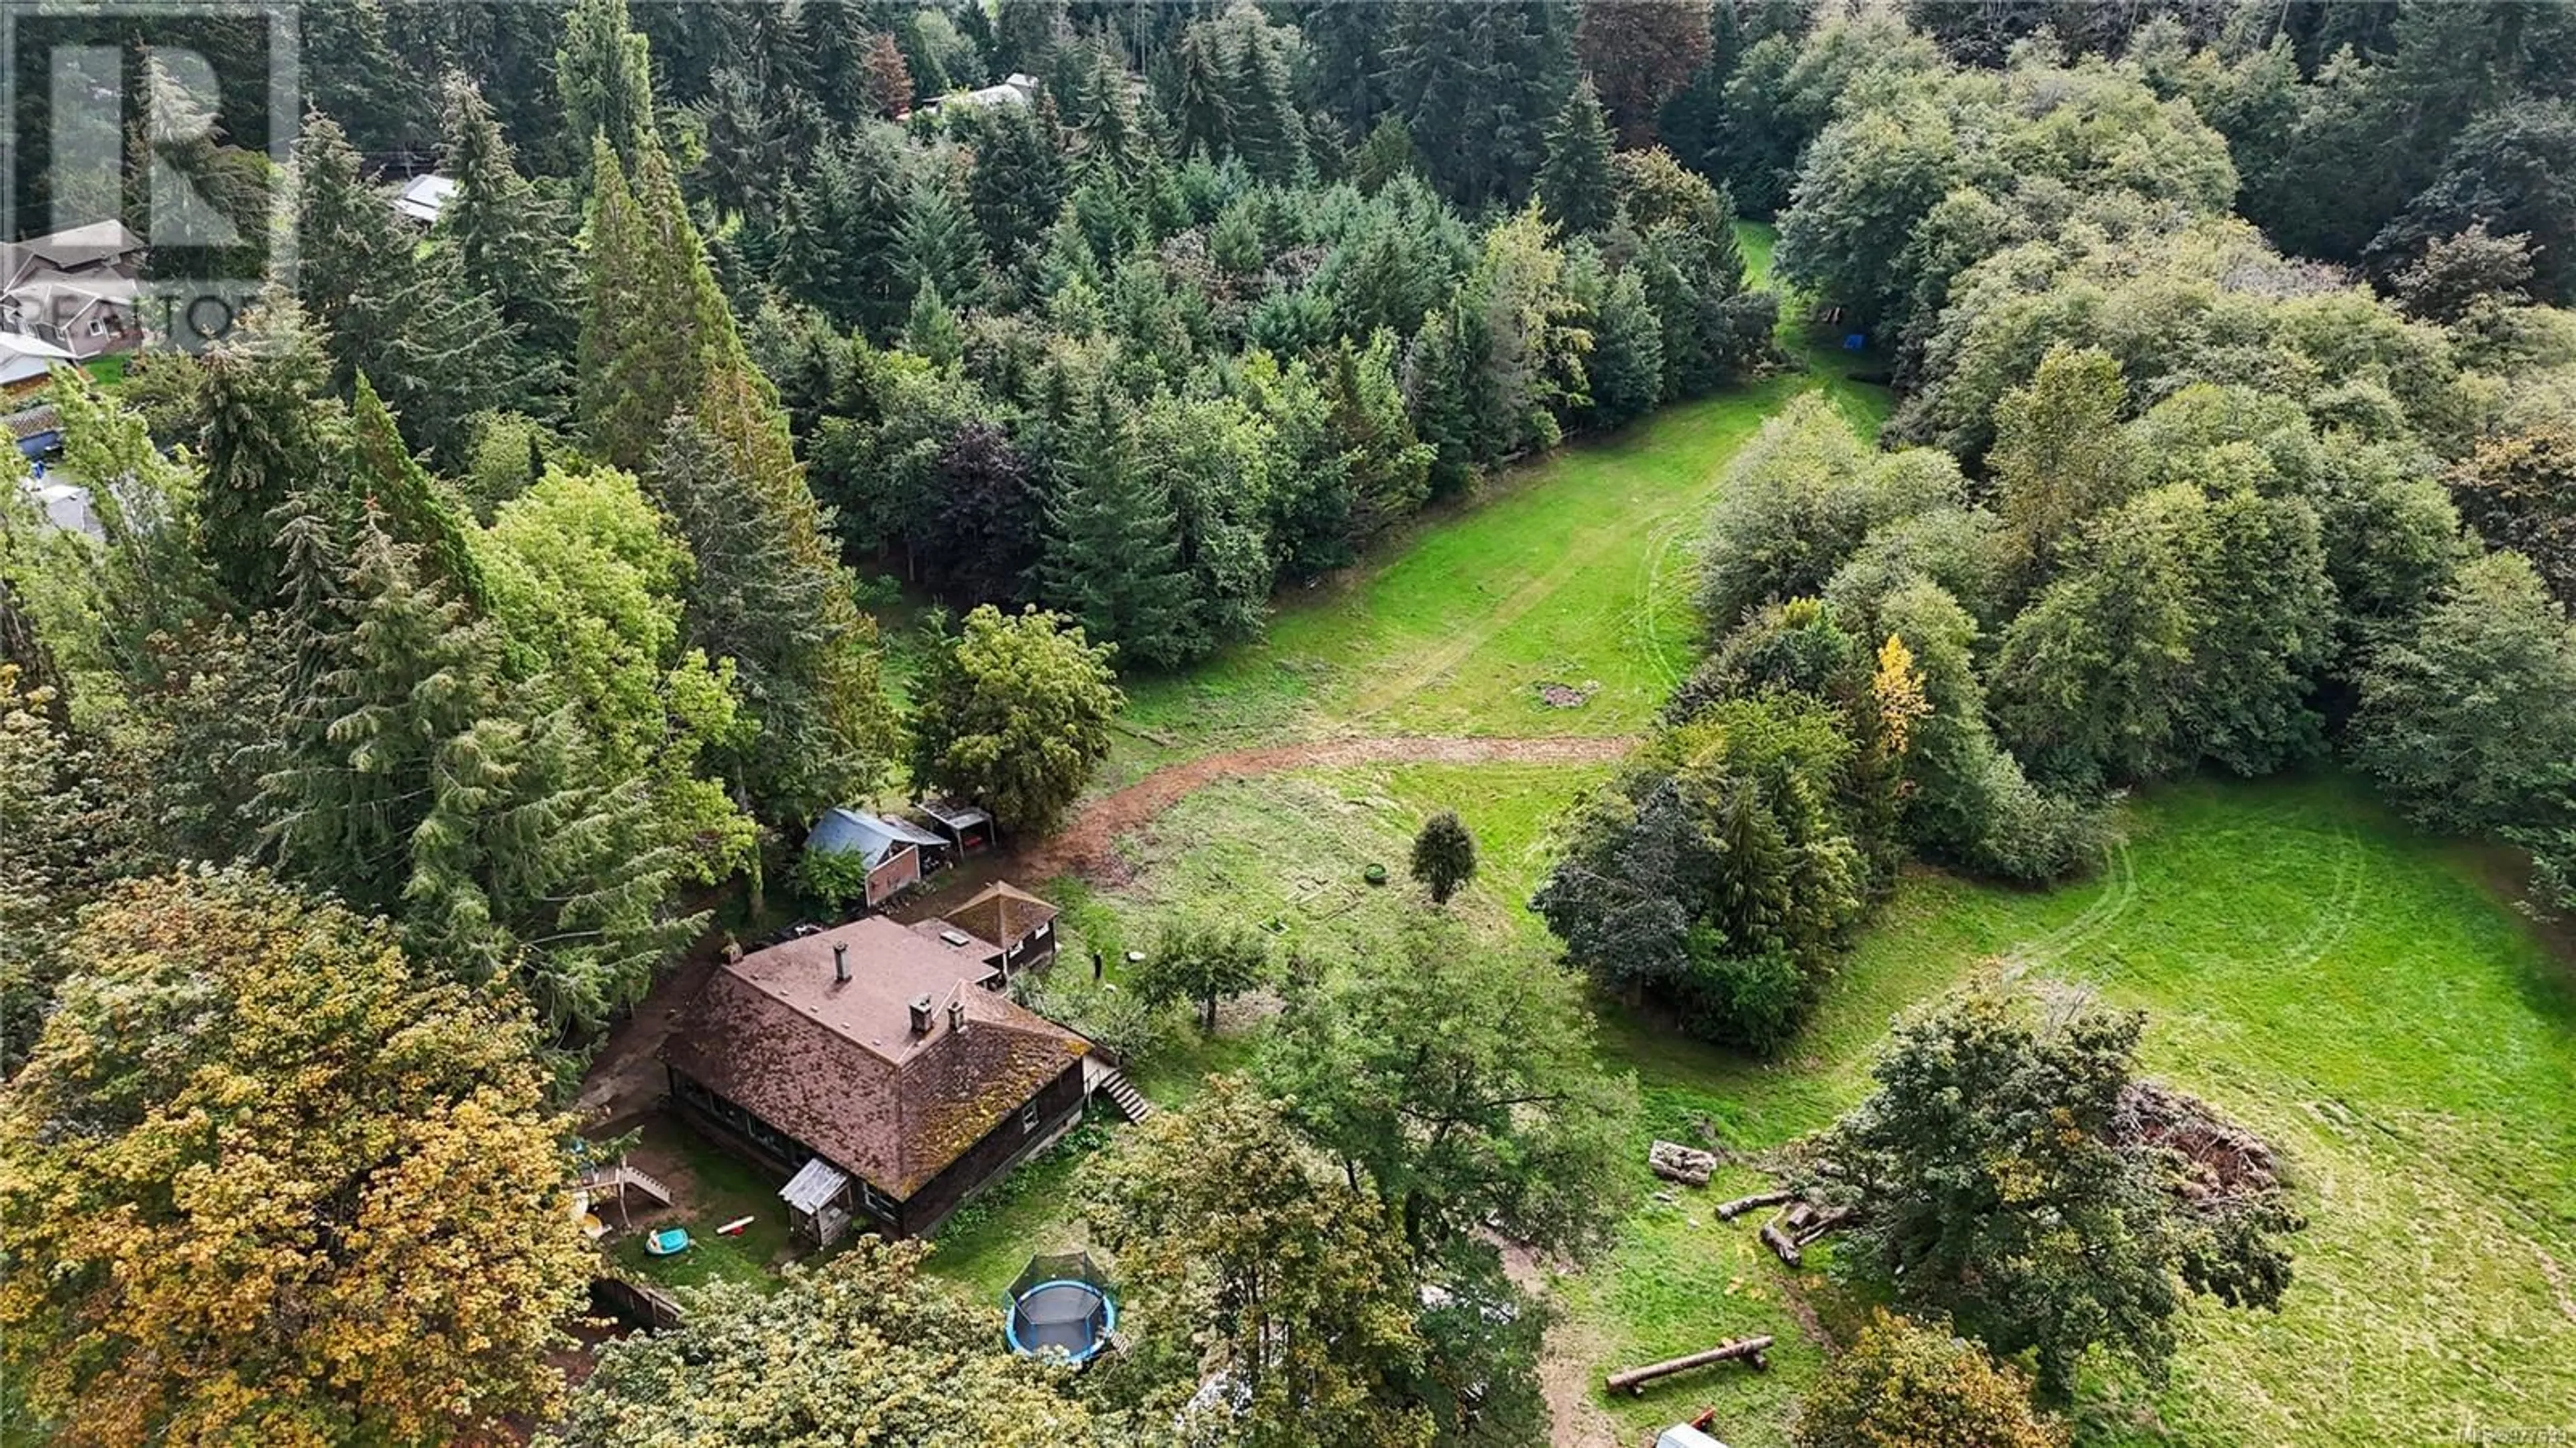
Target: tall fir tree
x=604 y=72
x=516 y=247
x=1114 y=555
x=384 y=305
x=1574 y=182
x=268 y=435
x=1265 y=128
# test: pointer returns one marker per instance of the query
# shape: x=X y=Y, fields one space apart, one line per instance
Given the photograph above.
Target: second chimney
x=921 y=1016
x=841 y=962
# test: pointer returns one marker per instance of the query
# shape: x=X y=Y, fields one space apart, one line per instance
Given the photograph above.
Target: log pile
x=1789 y=1234
x=1747 y=1350
x=1675 y=1162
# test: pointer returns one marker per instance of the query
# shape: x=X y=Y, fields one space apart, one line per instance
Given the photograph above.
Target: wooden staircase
x=1122 y=1092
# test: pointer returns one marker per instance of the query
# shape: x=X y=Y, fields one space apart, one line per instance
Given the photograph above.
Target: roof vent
x=841 y=961
x=921 y=1015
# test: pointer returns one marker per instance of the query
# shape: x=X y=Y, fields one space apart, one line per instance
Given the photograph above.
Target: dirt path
x=1087 y=844
x=1564 y=1363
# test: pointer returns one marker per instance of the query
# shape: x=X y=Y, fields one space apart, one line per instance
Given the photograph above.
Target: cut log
x=1729 y=1211
x=1780 y=1242
x=1824 y=1222
x=1675 y=1162
x=1746 y=1349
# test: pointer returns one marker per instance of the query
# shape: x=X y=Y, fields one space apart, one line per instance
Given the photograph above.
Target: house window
x=96 y=326
x=1028 y=1118
x=877 y=1203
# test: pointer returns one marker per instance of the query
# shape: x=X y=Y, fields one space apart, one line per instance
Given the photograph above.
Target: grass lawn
x=2350 y=989
x=726 y=1188
x=1570 y=569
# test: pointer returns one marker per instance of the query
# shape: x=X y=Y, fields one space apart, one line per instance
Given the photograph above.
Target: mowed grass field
x=1572 y=569
x=2356 y=992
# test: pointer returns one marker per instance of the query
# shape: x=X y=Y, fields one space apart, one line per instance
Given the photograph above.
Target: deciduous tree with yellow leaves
x=267 y=1184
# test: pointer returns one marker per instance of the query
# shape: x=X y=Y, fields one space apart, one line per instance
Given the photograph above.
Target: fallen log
x=1675 y=1162
x=1780 y=1242
x=1746 y=1349
x=1729 y=1211
x=1824 y=1223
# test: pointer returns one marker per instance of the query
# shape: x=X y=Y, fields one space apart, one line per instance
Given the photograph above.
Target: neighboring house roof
x=1015 y=89
x=65 y=505
x=424 y=198
x=870 y=836
x=27 y=359
x=76 y=245
x=1003 y=914
x=954 y=814
x=837 y=1064
x=83 y=292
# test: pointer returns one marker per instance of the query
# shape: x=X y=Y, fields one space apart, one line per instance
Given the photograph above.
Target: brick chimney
x=922 y=1016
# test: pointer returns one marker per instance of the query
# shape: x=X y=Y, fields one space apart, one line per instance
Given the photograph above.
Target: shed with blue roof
x=890 y=848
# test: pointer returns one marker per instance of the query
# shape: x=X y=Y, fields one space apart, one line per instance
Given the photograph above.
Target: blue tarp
x=871 y=837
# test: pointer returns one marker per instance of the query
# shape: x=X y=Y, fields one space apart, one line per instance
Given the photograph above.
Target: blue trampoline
x=1060 y=1305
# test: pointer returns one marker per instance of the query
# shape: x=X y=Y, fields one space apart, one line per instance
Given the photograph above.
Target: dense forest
x=500 y=602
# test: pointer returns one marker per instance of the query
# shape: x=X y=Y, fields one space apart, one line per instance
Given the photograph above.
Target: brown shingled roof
x=837 y=1065
x=1003 y=914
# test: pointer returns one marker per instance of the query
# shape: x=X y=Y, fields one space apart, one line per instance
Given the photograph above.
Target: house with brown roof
x=1008 y=928
x=872 y=1064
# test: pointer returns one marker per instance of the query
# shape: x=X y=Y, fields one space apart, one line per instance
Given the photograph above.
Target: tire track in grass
x=1428 y=669
x=1646 y=625
x=2119 y=892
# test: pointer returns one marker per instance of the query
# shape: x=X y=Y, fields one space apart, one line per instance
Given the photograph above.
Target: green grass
x=727 y=1188
x=2346 y=988
x=2349 y=989
x=1572 y=568
x=2354 y=991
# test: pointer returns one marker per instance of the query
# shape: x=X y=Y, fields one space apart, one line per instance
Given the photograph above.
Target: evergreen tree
x=515 y=246
x=1017 y=184
x=411 y=508
x=1202 y=110
x=1113 y=559
x=1435 y=392
x=1476 y=86
x=656 y=324
x=936 y=247
x=385 y=306
x=1626 y=367
x=932 y=330
x=1263 y=123
x=267 y=437
x=604 y=72
x=1389 y=467
x=1444 y=856
x=1574 y=180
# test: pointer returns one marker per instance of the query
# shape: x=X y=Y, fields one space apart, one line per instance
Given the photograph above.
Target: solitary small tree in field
x=1444 y=856
x=1203 y=963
